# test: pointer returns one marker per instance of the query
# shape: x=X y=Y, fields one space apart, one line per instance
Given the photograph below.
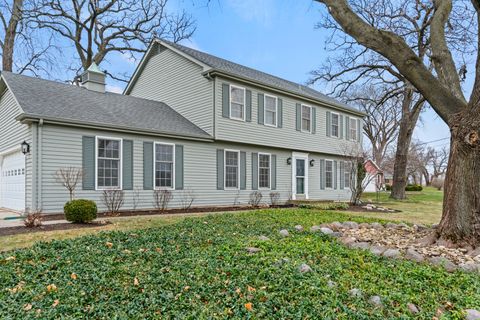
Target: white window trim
x=265 y=110
x=350 y=130
x=269 y=170
x=333 y=175
x=301 y=118
x=120 y=154
x=225 y=170
x=331 y=125
x=303 y=156
x=244 y=102
x=155 y=162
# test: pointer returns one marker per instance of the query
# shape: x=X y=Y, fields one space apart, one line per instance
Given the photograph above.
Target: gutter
x=29 y=118
x=213 y=72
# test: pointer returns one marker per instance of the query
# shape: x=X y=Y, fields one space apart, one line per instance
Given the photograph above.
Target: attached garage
x=12 y=181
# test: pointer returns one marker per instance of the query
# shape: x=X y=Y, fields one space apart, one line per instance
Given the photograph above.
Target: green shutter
x=329 y=123
x=314 y=119
x=298 y=117
x=127 y=165
x=341 y=126
x=347 y=127
x=261 y=106
x=274 y=172
x=220 y=168
x=147 y=165
x=359 y=130
x=248 y=106
x=322 y=174
x=254 y=171
x=179 y=167
x=342 y=175
x=243 y=170
x=335 y=175
x=279 y=113
x=88 y=163
x=226 y=100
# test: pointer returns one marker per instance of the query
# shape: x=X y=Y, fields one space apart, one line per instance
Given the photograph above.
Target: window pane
x=306 y=118
x=300 y=185
x=108 y=163
x=335 y=125
x=270 y=118
x=264 y=170
x=231 y=169
x=237 y=95
x=300 y=168
x=270 y=103
x=236 y=111
x=164 y=165
x=329 y=174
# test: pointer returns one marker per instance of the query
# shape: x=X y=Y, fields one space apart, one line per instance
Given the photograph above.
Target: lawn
x=198 y=268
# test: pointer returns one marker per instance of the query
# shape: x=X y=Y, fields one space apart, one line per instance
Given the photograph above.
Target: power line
x=428 y=142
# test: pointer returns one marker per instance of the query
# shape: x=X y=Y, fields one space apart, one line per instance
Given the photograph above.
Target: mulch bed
x=50 y=227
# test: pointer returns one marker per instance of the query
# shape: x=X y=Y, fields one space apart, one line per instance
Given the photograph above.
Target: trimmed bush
x=413 y=187
x=80 y=211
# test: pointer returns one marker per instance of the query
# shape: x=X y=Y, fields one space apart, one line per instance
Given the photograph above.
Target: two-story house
x=187 y=121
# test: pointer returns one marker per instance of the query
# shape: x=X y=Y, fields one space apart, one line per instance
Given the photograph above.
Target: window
x=329 y=174
x=270 y=111
x=108 y=163
x=335 y=125
x=237 y=103
x=264 y=171
x=306 y=118
x=353 y=129
x=164 y=165
x=232 y=169
x=347 y=174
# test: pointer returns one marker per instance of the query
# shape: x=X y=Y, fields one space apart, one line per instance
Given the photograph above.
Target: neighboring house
x=374 y=180
x=186 y=121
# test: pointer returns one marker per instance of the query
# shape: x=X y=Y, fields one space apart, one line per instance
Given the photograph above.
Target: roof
x=235 y=69
x=62 y=102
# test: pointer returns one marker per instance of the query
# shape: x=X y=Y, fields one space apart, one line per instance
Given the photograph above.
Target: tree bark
x=10 y=35
x=461 y=204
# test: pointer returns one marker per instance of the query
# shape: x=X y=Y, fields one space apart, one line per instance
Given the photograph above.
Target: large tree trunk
x=10 y=35
x=461 y=204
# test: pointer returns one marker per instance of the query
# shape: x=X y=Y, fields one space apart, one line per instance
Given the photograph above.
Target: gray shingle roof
x=236 y=69
x=55 y=100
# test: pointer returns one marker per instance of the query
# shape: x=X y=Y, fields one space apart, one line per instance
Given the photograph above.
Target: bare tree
x=113 y=200
x=69 y=178
x=440 y=85
x=439 y=162
x=255 y=198
x=356 y=176
x=98 y=28
x=187 y=197
x=161 y=199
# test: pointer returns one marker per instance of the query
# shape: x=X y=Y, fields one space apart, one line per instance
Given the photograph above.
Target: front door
x=299 y=176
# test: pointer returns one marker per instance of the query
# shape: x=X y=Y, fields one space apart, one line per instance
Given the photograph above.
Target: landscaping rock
x=331 y=284
x=413 y=255
x=475 y=252
x=336 y=234
x=435 y=226
x=470 y=267
x=304 y=268
x=263 y=238
x=348 y=240
x=326 y=231
x=391 y=225
x=299 y=228
x=444 y=262
x=357 y=293
x=419 y=227
x=472 y=314
x=253 y=250
x=377 y=250
x=336 y=226
x=376 y=225
x=375 y=301
x=392 y=253
x=412 y=308
x=284 y=233
x=403 y=225
x=363 y=225
x=360 y=245
x=350 y=225
x=315 y=228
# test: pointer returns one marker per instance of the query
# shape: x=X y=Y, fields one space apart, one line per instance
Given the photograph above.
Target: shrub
x=161 y=199
x=413 y=187
x=33 y=219
x=274 y=198
x=80 y=211
x=255 y=198
x=113 y=200
x=187 y=197
x=388 y=187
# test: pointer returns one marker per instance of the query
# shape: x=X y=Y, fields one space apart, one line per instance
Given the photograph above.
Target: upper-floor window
x=270 y=111
x=335 y=125
x=109 y=152
x=264 y=170
x=164 y=165
x=306 y=118
x=232 y=169
x=353 y=129
x=329 y=174
x=237 y=103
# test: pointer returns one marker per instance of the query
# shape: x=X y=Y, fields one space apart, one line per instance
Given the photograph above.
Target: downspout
x=34 y=159
x=39 y=172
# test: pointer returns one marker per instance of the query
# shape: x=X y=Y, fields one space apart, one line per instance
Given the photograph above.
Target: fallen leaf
x=55 y=303
x=249 y=306
x=159 y=250
x=17 y=288
x=10 y=258
x=73 y=276
x=251 y=289
x=52 y=287
x=27 y=307
x=136 y=282
x=186 y=288
x=238 y=290
x=109 y=244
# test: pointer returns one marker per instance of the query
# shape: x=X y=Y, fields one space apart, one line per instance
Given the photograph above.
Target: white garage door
x=12 y=181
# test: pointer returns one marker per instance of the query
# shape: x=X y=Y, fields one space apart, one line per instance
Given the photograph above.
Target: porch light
x=289 y=161
x=312 y=162
x=25 y=147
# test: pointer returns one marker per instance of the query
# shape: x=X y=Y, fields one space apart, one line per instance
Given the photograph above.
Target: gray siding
x=285 y=137
x=12 y=132
x=62 y=146
x=175 y=80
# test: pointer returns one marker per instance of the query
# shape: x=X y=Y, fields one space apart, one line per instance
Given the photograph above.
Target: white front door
x=12 y=181
x=299 y=175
